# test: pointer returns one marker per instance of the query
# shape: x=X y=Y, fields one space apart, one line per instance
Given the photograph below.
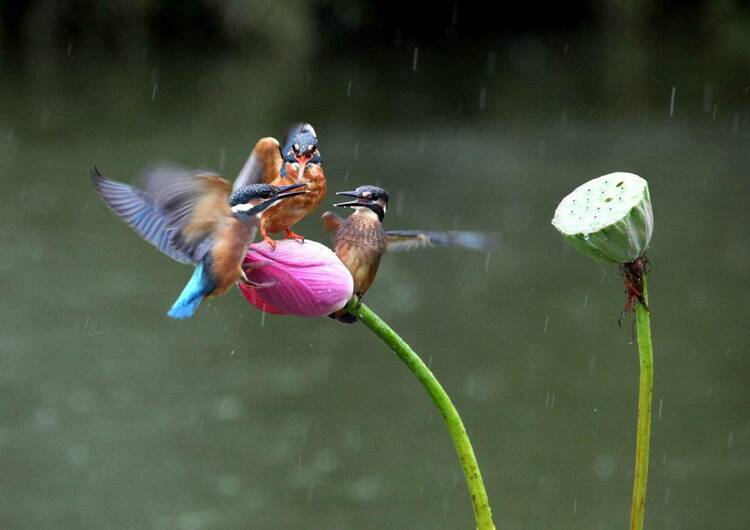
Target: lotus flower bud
x=305 y=279
x=608 y=218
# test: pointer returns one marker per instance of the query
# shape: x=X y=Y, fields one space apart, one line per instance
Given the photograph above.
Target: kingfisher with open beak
x=194 y=217
x=360 y=241
x=298 y=161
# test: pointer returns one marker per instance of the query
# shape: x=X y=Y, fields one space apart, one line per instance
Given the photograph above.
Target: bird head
x=252 y=199
x=367 y=197
x=301 y=147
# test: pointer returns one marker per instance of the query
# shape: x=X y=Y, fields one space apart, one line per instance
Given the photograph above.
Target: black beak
x=269 y=202
x=283 y=189
x=350 y=203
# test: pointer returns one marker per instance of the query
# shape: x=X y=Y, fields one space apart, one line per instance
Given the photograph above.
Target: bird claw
x=247 y=281
x=271 y=242
x=291 y=235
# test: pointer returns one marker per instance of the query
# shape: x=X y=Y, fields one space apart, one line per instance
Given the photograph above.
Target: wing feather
x=140 y=213
x=405 y=240
x=331 y=223
x=176 y=210
x=263 y=164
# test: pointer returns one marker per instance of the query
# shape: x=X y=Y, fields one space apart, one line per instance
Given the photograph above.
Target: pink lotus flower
x=305 y=279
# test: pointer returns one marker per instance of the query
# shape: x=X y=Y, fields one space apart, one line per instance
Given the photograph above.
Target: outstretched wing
x=331 y=223
x=404 y=240
x=175 y=210
x=262 y=166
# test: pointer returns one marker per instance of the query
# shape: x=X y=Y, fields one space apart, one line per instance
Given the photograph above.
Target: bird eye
x=296 y=147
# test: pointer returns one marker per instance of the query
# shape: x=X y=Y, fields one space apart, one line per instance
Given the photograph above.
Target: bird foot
x=271 y=242
x=247 y=281
x=292 y=235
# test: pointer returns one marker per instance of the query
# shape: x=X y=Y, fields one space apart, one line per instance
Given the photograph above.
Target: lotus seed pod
x=608 y=218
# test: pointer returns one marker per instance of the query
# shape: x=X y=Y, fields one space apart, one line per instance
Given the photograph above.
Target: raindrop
x=482 y=98
x=349 y=88
x=415 y=59
x=671 y=101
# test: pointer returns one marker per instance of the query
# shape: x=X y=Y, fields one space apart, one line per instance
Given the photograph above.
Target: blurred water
x=114 y=416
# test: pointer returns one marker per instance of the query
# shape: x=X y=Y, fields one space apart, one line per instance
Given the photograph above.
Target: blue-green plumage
x=164 y=213
x=201 y=284
x=301 y=141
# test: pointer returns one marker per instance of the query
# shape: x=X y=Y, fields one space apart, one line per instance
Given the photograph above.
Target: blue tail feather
x=200 y=285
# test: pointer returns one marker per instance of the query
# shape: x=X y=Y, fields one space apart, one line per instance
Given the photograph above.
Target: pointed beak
x=347 y=204
x=270 y=202
x=349 y=194
x=284 y=189
x=350 y=203
x=303 y=157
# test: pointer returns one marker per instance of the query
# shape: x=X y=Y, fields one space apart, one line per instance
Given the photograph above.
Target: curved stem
x=645 y=393
x=481 y=504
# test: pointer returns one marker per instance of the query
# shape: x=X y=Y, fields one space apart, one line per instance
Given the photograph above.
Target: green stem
x=645 y=393
x=482 y=512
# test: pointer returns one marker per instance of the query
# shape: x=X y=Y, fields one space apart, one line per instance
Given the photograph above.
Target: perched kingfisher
x=194 y=217
x=360 y=240
x=298 y=161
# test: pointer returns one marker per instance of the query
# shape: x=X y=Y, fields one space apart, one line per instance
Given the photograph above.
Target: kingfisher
x=297 y=161
x=194 y=217
x=360 y=241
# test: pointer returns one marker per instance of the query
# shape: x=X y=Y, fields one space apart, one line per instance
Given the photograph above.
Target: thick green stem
x=482 y=512
x=645 y=392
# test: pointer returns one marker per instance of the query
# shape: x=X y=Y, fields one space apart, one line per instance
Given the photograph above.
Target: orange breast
x=360 y=244
x=287 y=212
x=232 y=240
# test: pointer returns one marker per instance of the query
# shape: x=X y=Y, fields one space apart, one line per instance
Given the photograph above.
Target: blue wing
x=140 y=212
x=164 y=211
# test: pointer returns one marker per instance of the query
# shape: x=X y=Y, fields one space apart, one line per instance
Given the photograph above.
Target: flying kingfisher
x=360 y=240
x=298 y=161
x=194 y=217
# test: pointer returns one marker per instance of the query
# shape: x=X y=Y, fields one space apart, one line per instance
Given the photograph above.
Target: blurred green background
x=114 y=416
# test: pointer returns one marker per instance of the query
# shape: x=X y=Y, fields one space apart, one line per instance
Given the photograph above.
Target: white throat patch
x=241 y=207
